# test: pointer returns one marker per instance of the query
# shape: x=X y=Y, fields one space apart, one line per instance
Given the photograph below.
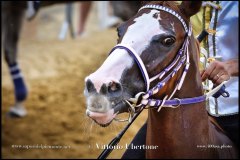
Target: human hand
x=217 y=72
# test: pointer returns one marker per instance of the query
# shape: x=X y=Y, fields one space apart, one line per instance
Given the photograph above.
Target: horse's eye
x=168 y=41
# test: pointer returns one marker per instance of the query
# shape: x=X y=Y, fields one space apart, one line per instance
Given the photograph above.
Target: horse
x=155 y=45
x=13 y=13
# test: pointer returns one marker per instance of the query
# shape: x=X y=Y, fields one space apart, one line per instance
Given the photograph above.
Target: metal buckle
x=178 y=103
x=136 y=99
x=131 y=111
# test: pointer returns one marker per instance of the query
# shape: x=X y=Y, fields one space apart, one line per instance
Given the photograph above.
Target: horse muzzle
x=103 y=106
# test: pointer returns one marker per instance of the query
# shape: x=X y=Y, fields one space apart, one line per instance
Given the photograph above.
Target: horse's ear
x=189 y=8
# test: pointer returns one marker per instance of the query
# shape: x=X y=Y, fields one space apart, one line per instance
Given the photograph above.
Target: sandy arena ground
x=54 y=72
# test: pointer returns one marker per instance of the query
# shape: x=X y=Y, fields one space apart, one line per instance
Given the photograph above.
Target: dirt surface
x=54 y=72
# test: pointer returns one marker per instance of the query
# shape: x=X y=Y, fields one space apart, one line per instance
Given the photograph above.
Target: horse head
x=147 y=44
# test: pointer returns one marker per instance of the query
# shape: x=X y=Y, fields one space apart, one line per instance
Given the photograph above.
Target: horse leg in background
x=84 y=8
x=32 y=9
x=69 y=18
x=68 y=23
x=139 y=140
x=12 y=18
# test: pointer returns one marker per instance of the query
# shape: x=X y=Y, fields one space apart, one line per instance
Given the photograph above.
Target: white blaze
x=138 y=36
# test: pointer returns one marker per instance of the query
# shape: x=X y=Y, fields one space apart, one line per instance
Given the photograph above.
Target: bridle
x=181 y=59
x=142 y=100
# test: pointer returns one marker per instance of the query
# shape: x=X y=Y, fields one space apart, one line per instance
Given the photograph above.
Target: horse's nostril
x=90 y=86
x=114 y=87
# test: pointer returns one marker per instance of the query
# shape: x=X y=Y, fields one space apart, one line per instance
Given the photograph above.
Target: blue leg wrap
x=19 y=85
